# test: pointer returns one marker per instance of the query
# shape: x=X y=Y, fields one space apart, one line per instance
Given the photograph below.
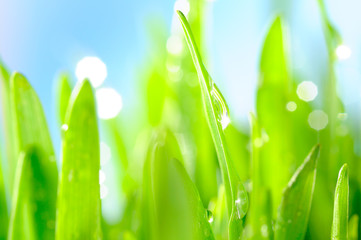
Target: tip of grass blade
x=18 y=80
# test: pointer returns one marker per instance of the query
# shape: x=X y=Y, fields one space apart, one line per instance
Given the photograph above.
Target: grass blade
x=217 y=116
x=353 y=227
x=178 y=209
x=64 y=92
x=340 y=211
x=3 y=207
x=31 y=129
x=260 y=212
x=295 y=206
x=78 y=212
x=31 y=216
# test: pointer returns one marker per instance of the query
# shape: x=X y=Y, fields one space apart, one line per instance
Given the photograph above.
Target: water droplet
x=209 y=216
x=307 y=91
x=343 y=52
x=318 y=120
x=220 y=105
x=291 y=106
x=241 y=203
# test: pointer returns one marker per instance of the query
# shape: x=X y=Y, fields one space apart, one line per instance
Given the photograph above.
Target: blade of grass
x=260 y=212
x=340 y=211
x=3 y=207
x=178 y=209
x=8 y=127
x=30 y=216
x=272 y=98
x=64 y=92
x=353 y=227
x=217 y=116
x=295 y=206
x=31 y=129
x=78 y=209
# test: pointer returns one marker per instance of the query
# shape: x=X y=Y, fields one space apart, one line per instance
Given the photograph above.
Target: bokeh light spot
x=318 y=120
x=93 y=69
x=109 y=103
x=307 y=91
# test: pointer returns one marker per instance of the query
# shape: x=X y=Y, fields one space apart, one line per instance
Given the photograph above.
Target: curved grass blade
x=176 y=209
x=31 y=216
x=295 y=206
x=340 y=211
x=31 y=129
x=78 y=209
x=217 y=116
x=64 y=92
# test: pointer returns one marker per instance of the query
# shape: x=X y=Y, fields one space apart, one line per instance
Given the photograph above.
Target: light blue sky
x=40 y=38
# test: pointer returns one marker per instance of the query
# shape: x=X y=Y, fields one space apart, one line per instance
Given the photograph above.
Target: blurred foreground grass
x=195 y=174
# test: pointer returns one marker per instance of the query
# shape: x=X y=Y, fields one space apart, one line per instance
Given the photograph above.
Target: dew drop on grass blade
x=31 y=129
x=78 y=202
x=218 y=118
x=178 y=211
x=339 y=229
x=293 y=212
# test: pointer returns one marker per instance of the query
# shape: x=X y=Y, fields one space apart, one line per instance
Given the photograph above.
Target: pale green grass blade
x=272 y=97
x=178 y=209
x=31 y=129
x=9 y=143
x=78 y=203
x=63 y=95
x=217 y=116
x=340 y=210
x=259 y=219
x=295 y=206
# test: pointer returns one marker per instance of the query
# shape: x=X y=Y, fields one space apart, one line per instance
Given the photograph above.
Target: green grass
x=191 y=172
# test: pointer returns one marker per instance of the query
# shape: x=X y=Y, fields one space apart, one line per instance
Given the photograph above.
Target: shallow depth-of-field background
x=227 y=120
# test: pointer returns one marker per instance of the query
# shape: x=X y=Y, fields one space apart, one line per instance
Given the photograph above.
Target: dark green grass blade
x=295 y=206
x=216 y=111
x=63 y=95
x=176 y=210
x=32 y=215
x=31 y=129
x=78 y=209
x=3 y=207
x=340 y=211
